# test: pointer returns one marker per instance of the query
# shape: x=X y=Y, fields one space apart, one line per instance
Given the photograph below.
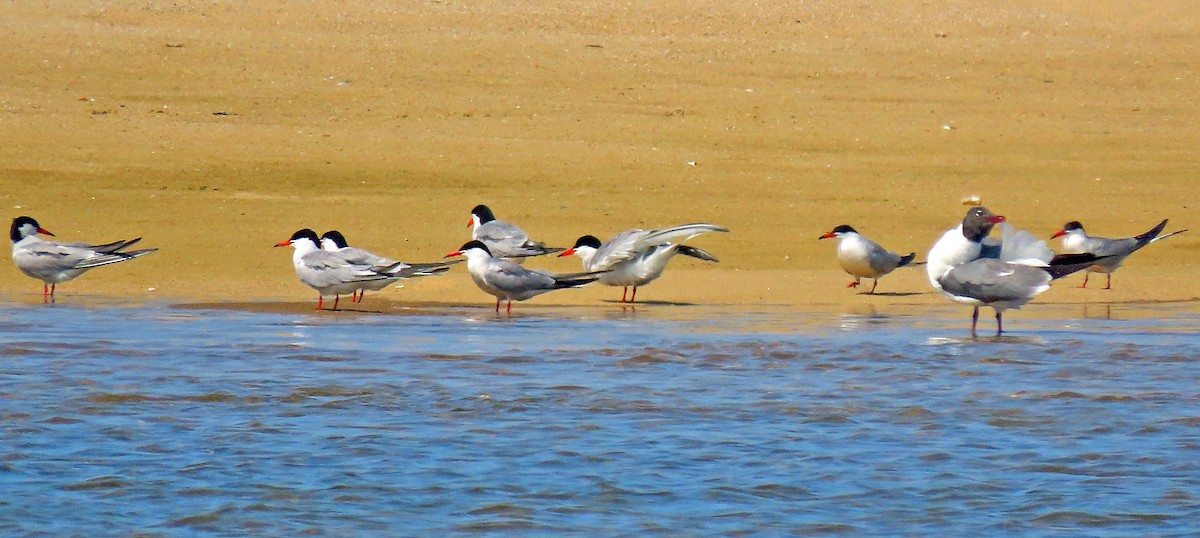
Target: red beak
x=287 y=243
x=995 y=219
x=1058 y=234
x=567 y=252
x=44 y=231
x=827 y=235
x=470 y=222
x=452 y=254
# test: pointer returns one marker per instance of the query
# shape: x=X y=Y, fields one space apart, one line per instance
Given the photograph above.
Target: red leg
x=336 y=298
x=999 y=324
x=874 y=282
x=974 y=320
x=1085 y=277
x=623 y=292
x=508 y=310
x=320 y=302
x=634 y=297
x=497 y=306
x=1108 y=285
x=853 y=284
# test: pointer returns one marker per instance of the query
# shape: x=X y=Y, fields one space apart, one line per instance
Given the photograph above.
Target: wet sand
x=217 y=131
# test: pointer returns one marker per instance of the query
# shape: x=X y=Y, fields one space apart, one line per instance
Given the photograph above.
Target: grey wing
x=47 y=256
x=359 y=256
x=512 y=278
x=501 y=237
x=1110 y=247
x=880 y=259
x=115 y=246
x=992 y=280
x=623 y=246
x=324 y=269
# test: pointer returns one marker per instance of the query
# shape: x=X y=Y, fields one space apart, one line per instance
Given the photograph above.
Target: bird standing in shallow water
x=53 y=263
x=510 y=282
x=637 y=257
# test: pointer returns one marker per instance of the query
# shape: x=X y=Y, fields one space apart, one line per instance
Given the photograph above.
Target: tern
x=864 y=258
x=329 y=273
x=637 y=257
x=333 y=241
x=510 y=282
x=1075 y=240
x=968 y=269
x=504 y=239
x=53 y=262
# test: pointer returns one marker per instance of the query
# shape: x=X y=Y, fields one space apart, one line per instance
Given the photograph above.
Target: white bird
x=864 y=258
x=1002 y=276
x=510 y=282
x=637 y=257
x=329 y=273
x=333 y=241
x=504 y=239
x=53 y=262
x=1076 y=241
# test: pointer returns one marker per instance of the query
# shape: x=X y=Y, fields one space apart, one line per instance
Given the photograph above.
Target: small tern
x=510 y=282
x=504 y=239
x=637 y=257
x=864 y=258
x=1076 y=241
x=53 y=262
x=329 y=273
x=333 y=241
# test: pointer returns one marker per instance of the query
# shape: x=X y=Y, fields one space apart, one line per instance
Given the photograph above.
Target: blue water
x=669 y=421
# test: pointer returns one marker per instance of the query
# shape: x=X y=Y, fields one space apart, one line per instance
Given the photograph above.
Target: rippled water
x=119 y=419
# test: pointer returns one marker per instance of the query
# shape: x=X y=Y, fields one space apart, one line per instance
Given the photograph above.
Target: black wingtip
x=1145 y=238
x=907 y=259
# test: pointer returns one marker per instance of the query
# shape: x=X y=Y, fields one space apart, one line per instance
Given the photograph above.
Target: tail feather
x=115 y=246
x=1164 y=236
x=420 y=269
x=113 y=257
x=696 y=253
x=1151 y=235
x=561 y=282
x=905 y=260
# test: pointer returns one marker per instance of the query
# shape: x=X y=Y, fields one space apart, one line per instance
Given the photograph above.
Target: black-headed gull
x=864 y=258
x=1076 y=241
x=637 y=257
x=510 y=282
x=1001 y=275
x=53 y=263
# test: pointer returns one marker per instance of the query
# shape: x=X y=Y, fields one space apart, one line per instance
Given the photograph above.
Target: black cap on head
x=844 y=228
x=306 y=234
x=475 y=244
x=485 y=215
x=18 y=223
x=587 y=241
x=1073 y=225
x=337 y=238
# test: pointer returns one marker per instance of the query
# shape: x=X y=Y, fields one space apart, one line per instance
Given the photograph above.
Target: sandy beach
x=214 y=131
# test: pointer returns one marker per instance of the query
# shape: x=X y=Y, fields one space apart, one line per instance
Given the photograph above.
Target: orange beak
x=1058 y=234
x=567 y=252
x=287 y=243
x=453 y=254
x=827 y=235
x=470 y=222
